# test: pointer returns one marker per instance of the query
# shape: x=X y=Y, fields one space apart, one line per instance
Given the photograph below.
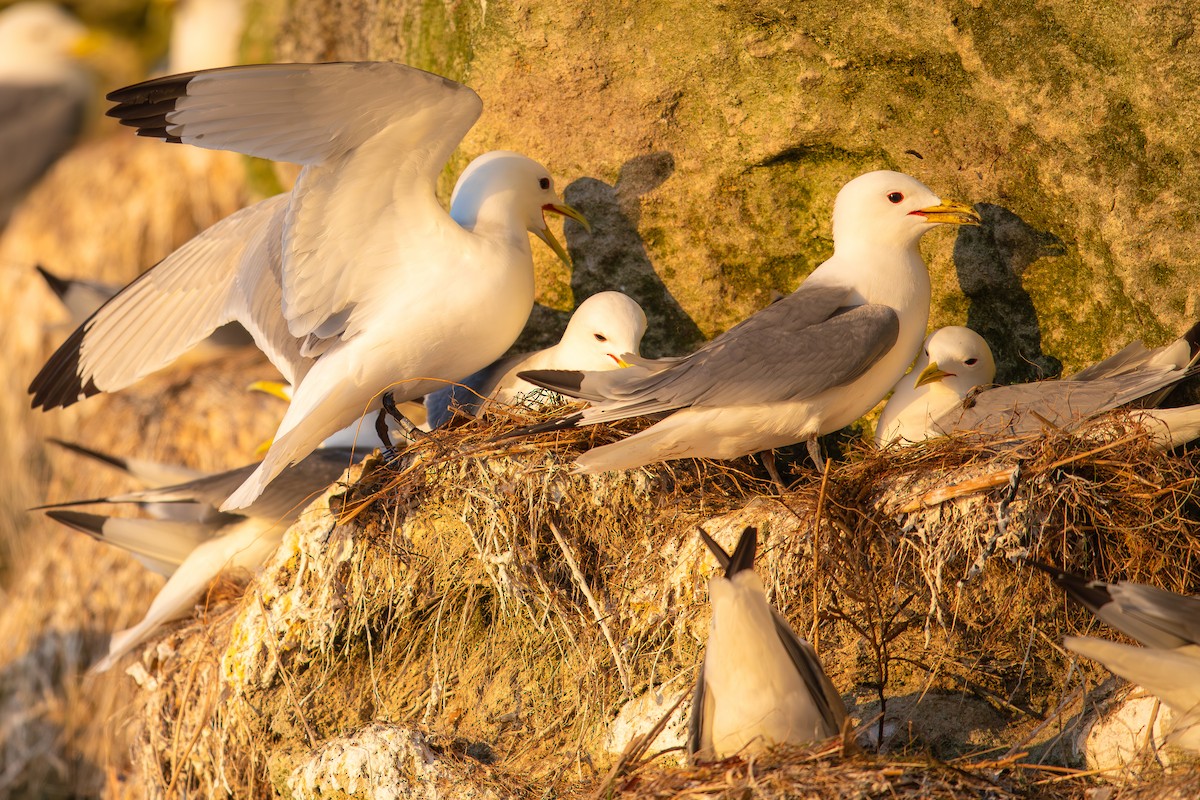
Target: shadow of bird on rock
x=990 y=260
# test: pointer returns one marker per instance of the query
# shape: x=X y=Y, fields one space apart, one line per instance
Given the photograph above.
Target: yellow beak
x=546 y=236
x=949 y=214
x=930 y=374
x=274 y=388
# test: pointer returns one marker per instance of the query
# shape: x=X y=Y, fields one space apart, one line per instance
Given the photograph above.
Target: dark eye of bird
x=544 y=183
x=600 y=337
x=895 y=197
x=970 y=362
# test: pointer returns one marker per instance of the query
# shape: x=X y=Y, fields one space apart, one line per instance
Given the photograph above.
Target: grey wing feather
x=1153 y=616
x=801 y=346
x=824 y=694
x=697 y=721
x=283 y=500
x=1021 y=409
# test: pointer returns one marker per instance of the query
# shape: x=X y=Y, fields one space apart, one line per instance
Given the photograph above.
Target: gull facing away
x=760 y=683
x=354 y=283
x=807 y=365
x=604 y=330
x=948 y=392
x=43 y=93
x=190 y=547
x=1168 y=624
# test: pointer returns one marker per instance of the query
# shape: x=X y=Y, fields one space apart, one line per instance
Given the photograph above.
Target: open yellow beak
x=930 y=374
x=274 y=388
x=949 y=214
x=546 y=236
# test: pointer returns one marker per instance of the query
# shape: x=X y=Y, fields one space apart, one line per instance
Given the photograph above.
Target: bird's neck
x=494 y=218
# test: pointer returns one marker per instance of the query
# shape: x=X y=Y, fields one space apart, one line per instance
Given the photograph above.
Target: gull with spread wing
x=355 y=282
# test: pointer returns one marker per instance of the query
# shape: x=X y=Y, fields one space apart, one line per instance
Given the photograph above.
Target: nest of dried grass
x=478 y=591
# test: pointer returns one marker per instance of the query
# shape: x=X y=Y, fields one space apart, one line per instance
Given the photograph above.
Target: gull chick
x=760 y=683
x=1168 y=624
x=604 y=333
x=195 y=544
x=356 y=282
x=947 y=392
x=807 y=365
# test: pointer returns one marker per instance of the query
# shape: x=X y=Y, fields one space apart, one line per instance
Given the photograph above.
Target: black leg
x=768 y=460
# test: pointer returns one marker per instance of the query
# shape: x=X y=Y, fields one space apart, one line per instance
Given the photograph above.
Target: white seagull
x=964 y=361
x=43 y=93
x=948 y=392
x=604 y=333
x=192 y=546
x=806 y=365
x=357 y=281
x=1168 y=624
x=760 y=683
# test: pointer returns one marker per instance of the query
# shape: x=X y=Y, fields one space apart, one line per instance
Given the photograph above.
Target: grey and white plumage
x=1168 y=624
x=603 y=334
x=43 y=94
x=945 y=394
x=355 y=282
x=198 y=543
x=760 y=683
x=806 y=365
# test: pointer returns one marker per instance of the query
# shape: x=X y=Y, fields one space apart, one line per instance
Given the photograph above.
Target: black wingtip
x=714 y=547
x=563 y=381
x=559 y=424
x=1092 y=595
x=58 y=285
x=91 y=524
x=743 y=555
x=1192 y=337
x=87 y=452
x=59 y=383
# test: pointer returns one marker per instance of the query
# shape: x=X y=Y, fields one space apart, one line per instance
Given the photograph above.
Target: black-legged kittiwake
x=947 y=392
x=1168 y=624
x=354 y=283
x=193 y=546
x=604 y=333
x=806 y=365
x=760 y=683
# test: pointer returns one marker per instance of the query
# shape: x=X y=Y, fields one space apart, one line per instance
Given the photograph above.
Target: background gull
x=1168 y=624
x=946 y=393
x=345 y=282
x=193 y=545
x=806 y=365
x=760 y=683
x=43 y=93
x=605 y=329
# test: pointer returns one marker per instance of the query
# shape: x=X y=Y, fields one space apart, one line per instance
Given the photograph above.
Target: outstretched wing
x=349 y=123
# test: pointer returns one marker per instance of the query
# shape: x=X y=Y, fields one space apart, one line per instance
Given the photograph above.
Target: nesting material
x=475 y=591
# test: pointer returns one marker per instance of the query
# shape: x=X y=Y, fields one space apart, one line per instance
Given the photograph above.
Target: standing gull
x=946 y=393
x=760 y=683
x=43 y=93
x=604 y=331
x=806 y=365
x=192 y=546
x=355 y=282
x=1168 y=624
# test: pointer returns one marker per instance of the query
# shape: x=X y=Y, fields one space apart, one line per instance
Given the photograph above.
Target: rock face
x=707 y=145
